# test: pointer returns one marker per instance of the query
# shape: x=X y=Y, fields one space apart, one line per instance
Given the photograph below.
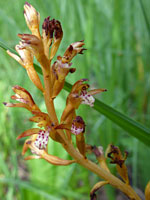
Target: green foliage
x=116 y=34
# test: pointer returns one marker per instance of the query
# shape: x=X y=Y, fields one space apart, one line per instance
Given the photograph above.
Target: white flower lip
x=76 y=130
x=87 y=99
x=42 y=140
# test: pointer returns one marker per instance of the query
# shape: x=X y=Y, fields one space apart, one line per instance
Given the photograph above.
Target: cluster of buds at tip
x=51 y=32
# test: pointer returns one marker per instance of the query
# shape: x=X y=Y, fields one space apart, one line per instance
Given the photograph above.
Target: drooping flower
x=38 y=144
x=79 y=95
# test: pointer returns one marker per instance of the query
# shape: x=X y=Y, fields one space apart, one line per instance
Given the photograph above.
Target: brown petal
x=19 y=105
x=23 y=94
x=40 y=116
x=29 y=132
x=34 y=77
x=26 y=146
x=96 y=91
x=17 y=58
x=63 y=126
x=50 y=158
x=35 y=45
x=80 y=142
x=31 y=157
x=79 y=85
x=123 y=172
x=56 y=160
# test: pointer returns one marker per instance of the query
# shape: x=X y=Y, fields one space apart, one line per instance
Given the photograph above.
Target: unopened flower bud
x=32 y=18
x=78 y=126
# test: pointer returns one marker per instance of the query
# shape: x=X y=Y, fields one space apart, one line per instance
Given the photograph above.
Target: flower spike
x=54 y=73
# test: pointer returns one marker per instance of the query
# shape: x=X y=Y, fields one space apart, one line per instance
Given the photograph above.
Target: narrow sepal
x=50 y=158
x=17 y=58
x=28 y=132
x=96 y=187
x=98 y=151
x=26 y=146
x=34 y=77
x=41 y=118
x=80 y=142
x=96 y=91
x=31 y=157
x=56 y=160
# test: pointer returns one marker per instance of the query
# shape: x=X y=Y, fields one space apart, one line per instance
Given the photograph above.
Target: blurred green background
x=117 y=36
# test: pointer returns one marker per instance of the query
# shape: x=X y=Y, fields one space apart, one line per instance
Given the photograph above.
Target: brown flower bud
x=32 y=18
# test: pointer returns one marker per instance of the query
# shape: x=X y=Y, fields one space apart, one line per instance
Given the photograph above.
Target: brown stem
x=114 y=181
x=48 y=95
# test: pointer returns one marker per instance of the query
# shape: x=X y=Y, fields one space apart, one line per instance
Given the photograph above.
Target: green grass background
x=117 y=36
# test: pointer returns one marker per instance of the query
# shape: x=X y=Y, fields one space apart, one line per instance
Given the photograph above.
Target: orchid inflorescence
x=44 y=47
